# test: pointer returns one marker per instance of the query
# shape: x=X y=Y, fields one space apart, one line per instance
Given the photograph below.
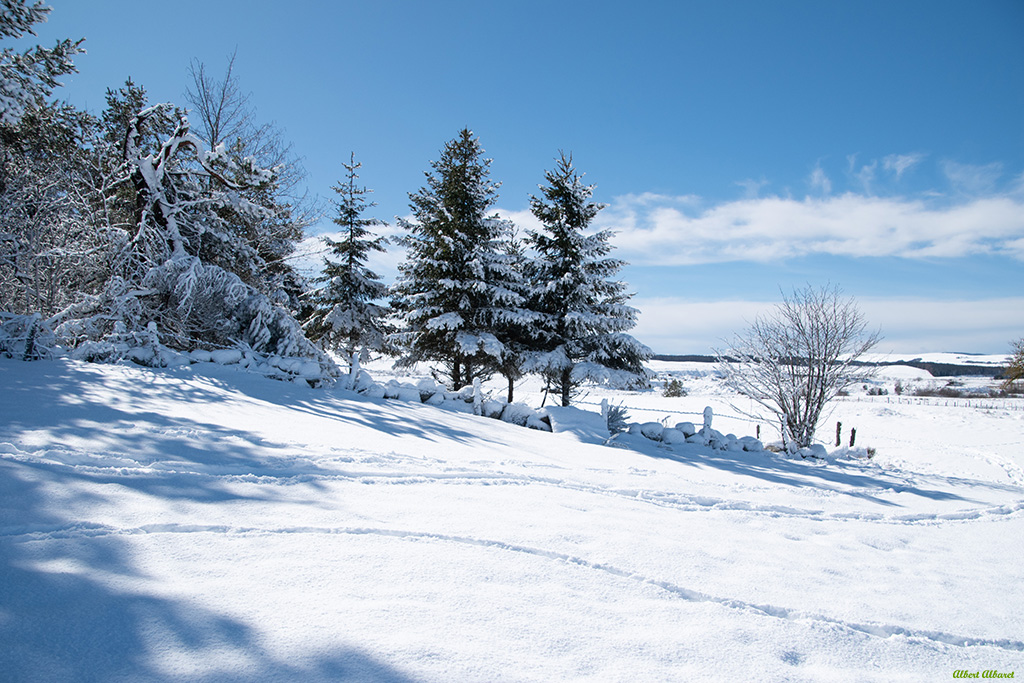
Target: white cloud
x=752 y=188
x=819 y=180
x=972 y=179
x=311 y=251
x=908 y=325
x=774 y=228
x=900 y=163
x=523 y=220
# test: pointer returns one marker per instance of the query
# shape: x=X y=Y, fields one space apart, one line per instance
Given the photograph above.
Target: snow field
x=206 y=524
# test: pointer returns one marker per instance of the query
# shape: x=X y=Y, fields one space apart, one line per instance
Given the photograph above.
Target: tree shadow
x=61 y=387
x=837 y=477
x=65 y=614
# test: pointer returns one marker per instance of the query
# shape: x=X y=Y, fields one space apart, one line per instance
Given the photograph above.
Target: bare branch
x=793 y=362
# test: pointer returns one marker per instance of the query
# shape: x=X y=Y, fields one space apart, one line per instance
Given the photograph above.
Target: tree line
x=149 y=226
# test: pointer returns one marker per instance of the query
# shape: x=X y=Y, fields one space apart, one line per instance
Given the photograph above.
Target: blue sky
x=742 y=147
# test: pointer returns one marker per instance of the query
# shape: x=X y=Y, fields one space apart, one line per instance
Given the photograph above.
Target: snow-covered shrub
x=751 y=444
x=143 y=347
x=673 y=389
x=538 y=422
x=815 y=450
x=27 y=337
x=793 y=362
x=517 y=413
x=686 y=428
x=651 y=430
x=428 y=388
x=673 y=436
x=846 y=453
x=493 y=409
x=617 y=418
x=183 y=270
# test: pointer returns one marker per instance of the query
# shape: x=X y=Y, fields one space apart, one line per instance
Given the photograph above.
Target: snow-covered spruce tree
x=584 y=315
x=518 y=333
x=453 y=296
x=161 y=286
x=793 y=362
x=346 y=317
x=27 y=78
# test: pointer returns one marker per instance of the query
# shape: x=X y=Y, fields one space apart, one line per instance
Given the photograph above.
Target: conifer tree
x=27 y=78
x=584 y=315
x=345 y=318
x=518 y=332
x=453 y=292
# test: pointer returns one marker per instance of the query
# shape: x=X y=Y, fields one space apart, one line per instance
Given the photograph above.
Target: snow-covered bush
x=687 y=433
x=686 y=428
x=651 y=430
x=673 y=436
x=793 y=362
x=616 y=417
x=673 y=389
x=27 y=337
x=182 y=272
x=517 y=413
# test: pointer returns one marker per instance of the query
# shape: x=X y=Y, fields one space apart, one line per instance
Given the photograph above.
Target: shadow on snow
x=61 y=616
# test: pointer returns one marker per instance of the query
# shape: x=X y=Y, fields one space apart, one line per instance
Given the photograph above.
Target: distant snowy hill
x=938 y=364
x=205 y=524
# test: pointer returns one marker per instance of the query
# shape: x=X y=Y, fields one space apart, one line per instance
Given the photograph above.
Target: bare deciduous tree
x=226 y=116
x=793 y=362
x=1015 y=365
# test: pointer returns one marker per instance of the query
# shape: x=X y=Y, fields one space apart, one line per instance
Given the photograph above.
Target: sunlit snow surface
x=203 y=524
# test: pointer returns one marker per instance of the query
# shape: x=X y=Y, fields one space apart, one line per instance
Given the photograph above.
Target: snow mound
x=585 y=426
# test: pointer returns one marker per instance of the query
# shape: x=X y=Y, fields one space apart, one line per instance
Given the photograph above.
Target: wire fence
x=986 y=403
x=662 y=411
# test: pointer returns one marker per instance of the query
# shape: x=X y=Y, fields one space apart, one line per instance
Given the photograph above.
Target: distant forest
x=936 y=369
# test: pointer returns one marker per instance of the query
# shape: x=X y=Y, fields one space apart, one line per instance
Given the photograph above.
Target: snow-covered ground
x=204 y=524
x=979 y=359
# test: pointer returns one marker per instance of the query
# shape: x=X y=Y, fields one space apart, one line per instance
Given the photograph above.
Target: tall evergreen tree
x=518 y=332
x=346 y=318
x=27 y=78
x=584 y=315
x=453 y=291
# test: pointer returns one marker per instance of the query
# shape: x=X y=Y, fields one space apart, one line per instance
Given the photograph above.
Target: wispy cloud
x=901 y=163
x=972 y=179
x=819 y=180
x=752 y=188
x=774 y=228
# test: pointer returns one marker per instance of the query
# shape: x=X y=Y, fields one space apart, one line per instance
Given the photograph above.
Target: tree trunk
x=566 y=382
x=456 y=375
